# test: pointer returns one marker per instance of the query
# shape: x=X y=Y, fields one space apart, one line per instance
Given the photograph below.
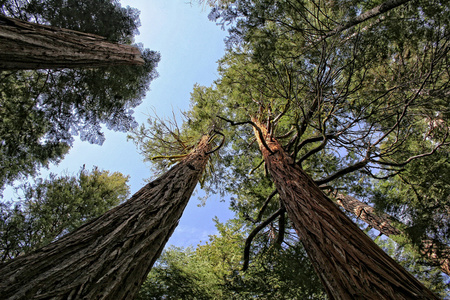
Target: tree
x=26 y=45
x=355 y=266
x=53 y=207
x=43 y=110
x=349 y=107
x=435 y=252
x=111 y=255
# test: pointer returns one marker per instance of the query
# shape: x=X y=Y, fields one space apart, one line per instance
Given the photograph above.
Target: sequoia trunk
x=25 y=45
x=110 y=257
x=349 y=263
x=437 y=253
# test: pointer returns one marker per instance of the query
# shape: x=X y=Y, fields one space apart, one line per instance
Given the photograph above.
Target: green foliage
x=420 y=196
x=23 y=131
x=211 y=271
x=103 y=17
x=367 y=106
x=53 y=207
x=44 y=109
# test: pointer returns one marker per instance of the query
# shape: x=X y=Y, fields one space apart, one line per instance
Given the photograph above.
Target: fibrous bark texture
x=110 y=257
x=350 y=265
x=436 y=253
x=25 y=45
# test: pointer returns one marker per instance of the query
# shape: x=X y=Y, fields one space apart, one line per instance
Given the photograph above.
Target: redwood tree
x=42 y=110
x=356 y=106
x=25 y=45
x=435 y=252
x=109 y=257
x=349 y=263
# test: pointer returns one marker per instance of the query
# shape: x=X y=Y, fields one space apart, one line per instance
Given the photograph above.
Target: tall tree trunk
x=436 y=253
x=349 y=263
x=25 y=45
x=110 y=257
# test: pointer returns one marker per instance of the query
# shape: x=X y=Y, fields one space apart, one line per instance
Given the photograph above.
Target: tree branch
x=266 y=202
x=281 y=229
x=252 y=235
x=343 y=171
x=402 y=164
x=261 y=136
x=313 y=151
x=378 y=10
x=221 y=143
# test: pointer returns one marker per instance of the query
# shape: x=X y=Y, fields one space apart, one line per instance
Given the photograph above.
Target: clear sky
x=190 y=46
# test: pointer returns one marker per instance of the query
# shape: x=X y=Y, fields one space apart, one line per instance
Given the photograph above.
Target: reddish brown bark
x=436 y=253
x=25 y=45
x=110 y=257
x=349 y=263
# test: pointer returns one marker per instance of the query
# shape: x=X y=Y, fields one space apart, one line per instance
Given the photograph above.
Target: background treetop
x=56 y=105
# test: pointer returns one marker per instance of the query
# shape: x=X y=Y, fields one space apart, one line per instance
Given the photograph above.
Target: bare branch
x=252 y=235
x=254 y=126
x=343 y=171
x=313 y=151
x=221 y=143
x=402 y=164
x=266 y=203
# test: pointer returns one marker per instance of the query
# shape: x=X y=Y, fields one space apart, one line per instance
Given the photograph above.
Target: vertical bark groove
x=349 y=263
x=376 y=11
x=25 y=45
x=436 y=253
x=109 y=257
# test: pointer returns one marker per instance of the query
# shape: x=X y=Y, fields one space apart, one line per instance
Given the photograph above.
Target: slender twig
x=257 y=167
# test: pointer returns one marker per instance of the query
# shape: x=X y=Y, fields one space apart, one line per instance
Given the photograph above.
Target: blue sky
x=190 y=46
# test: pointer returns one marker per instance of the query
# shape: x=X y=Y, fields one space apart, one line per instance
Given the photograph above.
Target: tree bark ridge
x=436 y=253
x=349 y=263
x=25 y=45
x=109 y=257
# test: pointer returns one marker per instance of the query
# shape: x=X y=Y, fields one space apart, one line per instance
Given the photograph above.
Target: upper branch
x=378 y=10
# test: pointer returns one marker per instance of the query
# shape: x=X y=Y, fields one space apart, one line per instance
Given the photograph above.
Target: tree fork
x=348 y=262
x=435 y=252
x=25 y=45
x=109 y=257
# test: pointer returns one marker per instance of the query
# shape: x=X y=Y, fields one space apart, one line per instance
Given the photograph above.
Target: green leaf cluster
x=50 y=208
x=44 y=109
x=211 y=271
x=365 y=107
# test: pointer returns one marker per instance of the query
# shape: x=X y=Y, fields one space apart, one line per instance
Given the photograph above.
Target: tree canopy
x=358 y=101
x=212 y=270
x=362 y=110
x=50 y=208
x=43 y=110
